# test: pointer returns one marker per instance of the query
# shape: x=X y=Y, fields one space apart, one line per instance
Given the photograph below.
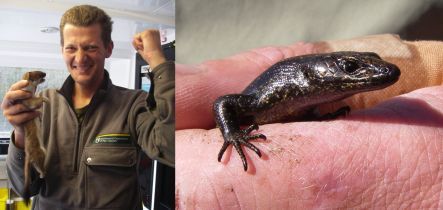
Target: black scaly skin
x=290 y=89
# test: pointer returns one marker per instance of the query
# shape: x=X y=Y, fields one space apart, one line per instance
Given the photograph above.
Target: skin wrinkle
x=237 y=199
x=418 y=170
x=284 y=193
x=395 y=181
x=431 y=147
x=231 y=174
x=391 y=173
x=440 y=203
x=200 y=185
x=368 y=161
x=353 y=161
x=439 y=177
x=211 y=186
x=289 y=51
x=427 y=153
x=246 y=191
x=412 y=175
x=417 y=175
x=254 y=191
x=264 y=58
x=281 y=192
x=257 y=62
x=268 y=59
x=195 y=189
x=432 y=97
x=407 y=185
x=376 y=147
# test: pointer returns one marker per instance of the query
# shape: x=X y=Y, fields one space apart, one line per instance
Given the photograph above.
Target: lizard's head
x=355 y=71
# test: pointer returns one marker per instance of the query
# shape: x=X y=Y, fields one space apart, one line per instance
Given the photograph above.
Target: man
x=94 y=131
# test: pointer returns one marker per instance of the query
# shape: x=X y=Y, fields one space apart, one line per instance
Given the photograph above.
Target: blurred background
x=210 y=29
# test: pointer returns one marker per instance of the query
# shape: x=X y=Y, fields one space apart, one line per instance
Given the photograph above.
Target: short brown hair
x=87 y=15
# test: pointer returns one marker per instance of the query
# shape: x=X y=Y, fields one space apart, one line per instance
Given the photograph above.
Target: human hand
x=148 y=45
x=385 y=156
x=16 y=113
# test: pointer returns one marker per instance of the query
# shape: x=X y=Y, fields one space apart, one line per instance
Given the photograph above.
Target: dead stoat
x=34 y=153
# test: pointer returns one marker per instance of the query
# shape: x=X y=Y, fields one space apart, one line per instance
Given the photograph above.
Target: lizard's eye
x=348 y=66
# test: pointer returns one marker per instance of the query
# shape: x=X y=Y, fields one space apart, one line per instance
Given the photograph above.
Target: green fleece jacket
x=93 y=164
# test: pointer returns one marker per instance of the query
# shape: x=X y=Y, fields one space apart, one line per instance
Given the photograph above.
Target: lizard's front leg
x=227 y=110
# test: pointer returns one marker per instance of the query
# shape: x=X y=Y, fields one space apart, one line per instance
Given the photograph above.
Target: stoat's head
x=35 y=78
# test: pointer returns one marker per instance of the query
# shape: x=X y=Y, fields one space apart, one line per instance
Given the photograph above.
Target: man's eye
x=91 y=48
x=69 y=48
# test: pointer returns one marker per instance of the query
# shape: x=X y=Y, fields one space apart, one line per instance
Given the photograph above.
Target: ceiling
x=22 y=20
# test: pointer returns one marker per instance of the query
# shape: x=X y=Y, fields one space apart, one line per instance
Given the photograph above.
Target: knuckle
x=10 y=119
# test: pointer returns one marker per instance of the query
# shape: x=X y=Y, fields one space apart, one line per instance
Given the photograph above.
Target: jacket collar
x=67 y=89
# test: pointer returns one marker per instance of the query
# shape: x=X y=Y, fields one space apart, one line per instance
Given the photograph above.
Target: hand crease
x=211 y=185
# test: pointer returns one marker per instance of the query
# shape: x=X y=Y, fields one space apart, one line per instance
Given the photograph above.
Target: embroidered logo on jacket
x=117 y=138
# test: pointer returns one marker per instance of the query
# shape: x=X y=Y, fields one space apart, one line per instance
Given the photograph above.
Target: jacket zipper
x=77 y=145
x=77 y=137
x=79 y=140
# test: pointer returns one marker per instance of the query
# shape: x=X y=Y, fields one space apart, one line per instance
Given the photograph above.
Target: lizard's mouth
x=368 y=85
x=373 y=80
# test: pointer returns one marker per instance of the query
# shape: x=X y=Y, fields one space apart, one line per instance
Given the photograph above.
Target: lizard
x=291 y=89
x=34 y=152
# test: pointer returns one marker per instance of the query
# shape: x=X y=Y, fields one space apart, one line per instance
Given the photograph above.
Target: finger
x=151 y=43
x=20 y=119
x=148 y=45
x=151 y=39
x=15 y=109
x=12 y=96
x=19 y=85
x=320 y=162
x=148 y=39
x=197 y=87
x=137 y=42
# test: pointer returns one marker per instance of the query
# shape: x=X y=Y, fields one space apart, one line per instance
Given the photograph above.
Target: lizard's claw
x=239 y=138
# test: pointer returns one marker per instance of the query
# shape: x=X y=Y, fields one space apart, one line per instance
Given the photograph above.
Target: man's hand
x=148 y=45
x=388 y=156
x=385 y=154
x=16 y=113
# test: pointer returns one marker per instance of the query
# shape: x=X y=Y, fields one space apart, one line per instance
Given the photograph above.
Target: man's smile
x=82 y=68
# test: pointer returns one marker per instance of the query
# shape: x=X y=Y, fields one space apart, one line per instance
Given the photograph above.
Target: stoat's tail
x=26 y=190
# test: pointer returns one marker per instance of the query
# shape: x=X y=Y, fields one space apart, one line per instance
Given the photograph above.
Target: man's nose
x=80 y=56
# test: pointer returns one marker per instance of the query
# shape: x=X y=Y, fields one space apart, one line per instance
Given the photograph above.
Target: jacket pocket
x=111 y=178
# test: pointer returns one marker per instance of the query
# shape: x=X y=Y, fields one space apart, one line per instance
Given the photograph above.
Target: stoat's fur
x=34 y=152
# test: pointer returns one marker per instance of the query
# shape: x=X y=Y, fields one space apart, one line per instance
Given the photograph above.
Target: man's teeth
x=82 y=67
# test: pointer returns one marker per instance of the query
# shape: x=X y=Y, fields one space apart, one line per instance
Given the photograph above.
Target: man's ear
x=109 y=49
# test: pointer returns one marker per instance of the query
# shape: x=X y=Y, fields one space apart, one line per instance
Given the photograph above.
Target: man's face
x=84 y=53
